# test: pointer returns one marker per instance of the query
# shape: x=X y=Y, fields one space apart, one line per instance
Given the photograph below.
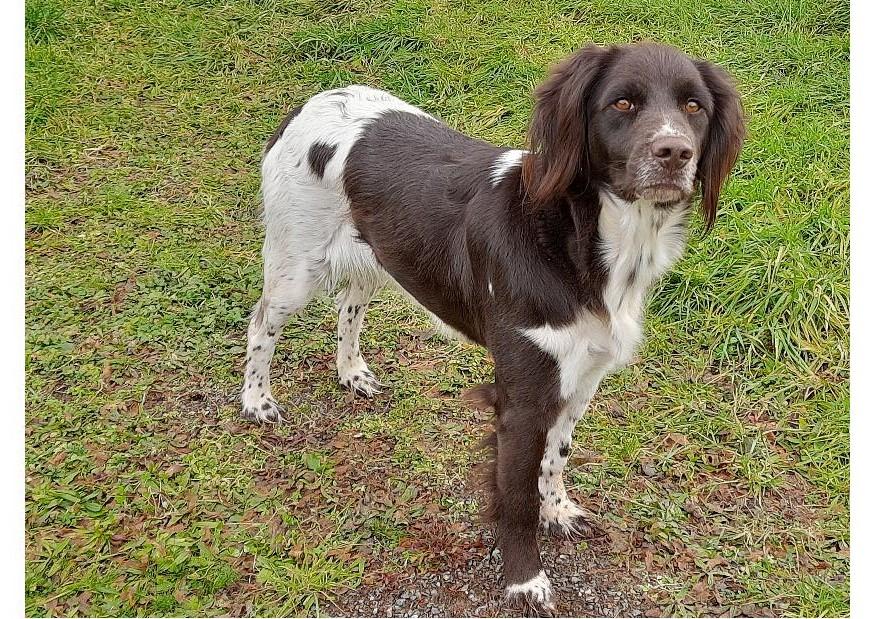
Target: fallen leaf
x=676 y=438
x=173 y=469
x=700 y=592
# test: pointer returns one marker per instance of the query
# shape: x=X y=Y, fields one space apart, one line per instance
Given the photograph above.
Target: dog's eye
x=624 y=105
x=692 y=106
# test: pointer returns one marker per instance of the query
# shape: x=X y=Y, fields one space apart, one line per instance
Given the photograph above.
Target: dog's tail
x=485 y=397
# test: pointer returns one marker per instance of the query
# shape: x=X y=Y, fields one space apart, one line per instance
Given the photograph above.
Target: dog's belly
x=431 y=285
x=451 y=316
x=440 y=326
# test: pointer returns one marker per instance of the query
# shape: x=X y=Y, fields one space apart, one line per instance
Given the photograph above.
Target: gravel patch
x=587 y=583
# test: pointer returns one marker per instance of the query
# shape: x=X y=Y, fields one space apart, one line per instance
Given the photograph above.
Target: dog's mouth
x=664 y=192
x=648 y=181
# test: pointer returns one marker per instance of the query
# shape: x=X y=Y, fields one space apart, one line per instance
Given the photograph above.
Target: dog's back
x=311 y=146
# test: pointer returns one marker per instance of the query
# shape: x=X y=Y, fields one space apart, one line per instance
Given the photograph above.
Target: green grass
x=724 y=451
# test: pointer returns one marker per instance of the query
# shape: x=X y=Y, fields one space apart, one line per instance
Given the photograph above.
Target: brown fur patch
x=486 y=478
x=485 y=397
x=482 y=397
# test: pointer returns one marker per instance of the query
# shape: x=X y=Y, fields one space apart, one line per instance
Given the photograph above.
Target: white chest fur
x=639 y=243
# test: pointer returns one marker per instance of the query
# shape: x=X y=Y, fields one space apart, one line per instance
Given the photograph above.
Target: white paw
x=359 y=379
x=535 y=594
x=562 y=517
x=264 y=411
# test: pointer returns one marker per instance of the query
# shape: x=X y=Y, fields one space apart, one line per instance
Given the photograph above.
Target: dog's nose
x=672 y=151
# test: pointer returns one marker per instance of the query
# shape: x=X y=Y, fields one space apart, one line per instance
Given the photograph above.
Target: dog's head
x=643 y=121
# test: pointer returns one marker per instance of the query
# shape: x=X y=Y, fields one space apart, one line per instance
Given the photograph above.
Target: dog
x=544 y=256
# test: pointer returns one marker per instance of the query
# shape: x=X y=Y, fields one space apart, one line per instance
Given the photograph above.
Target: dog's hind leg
x=352 y=371
x=289 y=284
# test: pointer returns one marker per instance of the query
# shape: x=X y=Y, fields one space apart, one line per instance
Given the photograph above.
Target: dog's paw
x=565 y=519
x=534 y=597
x=268 y=411
x=578 y=528
x=361 y=382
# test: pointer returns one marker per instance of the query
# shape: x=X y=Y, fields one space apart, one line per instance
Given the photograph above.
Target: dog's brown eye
x=624 y=105
x=692 y=106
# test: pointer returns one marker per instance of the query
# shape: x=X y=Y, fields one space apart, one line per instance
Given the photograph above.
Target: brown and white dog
x=543 y=256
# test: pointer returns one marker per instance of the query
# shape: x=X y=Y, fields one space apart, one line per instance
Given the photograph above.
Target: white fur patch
x=536 y=589
x=639 y=244
x=335 y=117
x=579 y=348
x=306 y=217
x=564 y=514
x=504 y=163
x=556 y=451
x=556 y=508
x=667 y=129
x=352 y=371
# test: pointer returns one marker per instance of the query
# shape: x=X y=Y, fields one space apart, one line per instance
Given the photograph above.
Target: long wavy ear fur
x=557 y=136
x=725 y=137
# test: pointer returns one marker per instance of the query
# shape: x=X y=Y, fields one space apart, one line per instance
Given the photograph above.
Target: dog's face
x=648 y=124
x=644 y=121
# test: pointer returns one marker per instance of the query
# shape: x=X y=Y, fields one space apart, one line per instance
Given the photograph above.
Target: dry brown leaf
x=173 y=469
x=676 y=438
x=700 y=592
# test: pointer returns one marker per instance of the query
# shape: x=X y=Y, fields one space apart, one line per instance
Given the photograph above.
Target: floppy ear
x=725 y=136
x=558 y=133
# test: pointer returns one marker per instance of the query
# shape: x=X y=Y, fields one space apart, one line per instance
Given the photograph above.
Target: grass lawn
x=718 y=463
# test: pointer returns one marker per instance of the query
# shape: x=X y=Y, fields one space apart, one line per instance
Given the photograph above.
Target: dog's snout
x=672 y=151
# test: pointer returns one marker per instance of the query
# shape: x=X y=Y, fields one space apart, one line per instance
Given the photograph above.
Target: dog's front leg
x=560 y=515
x=520 y=445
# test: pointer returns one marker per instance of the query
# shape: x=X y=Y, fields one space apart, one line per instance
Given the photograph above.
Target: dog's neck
x=638 y=243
